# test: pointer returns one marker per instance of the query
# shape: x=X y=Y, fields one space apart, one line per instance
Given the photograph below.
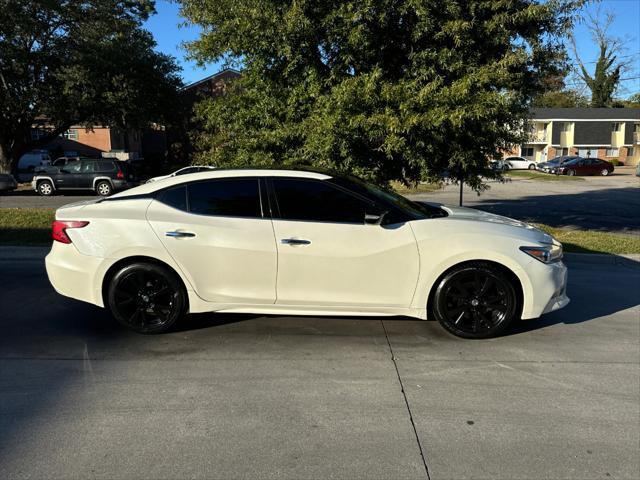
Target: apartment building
x=606 y=133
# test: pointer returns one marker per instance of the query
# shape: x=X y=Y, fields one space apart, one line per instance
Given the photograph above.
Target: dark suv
x=104 y=176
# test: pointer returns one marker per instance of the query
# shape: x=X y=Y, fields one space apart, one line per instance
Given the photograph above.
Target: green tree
x=386 y=89
x=605 y=79
x=561 y=99
x=77 y=62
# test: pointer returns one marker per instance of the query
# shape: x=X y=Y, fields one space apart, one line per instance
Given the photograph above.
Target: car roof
x=220 y=173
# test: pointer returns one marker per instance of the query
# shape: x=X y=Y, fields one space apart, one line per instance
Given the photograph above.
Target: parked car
x=183 y=171
x=7 y=182
x=554 y=162
x=300 y=242
x=103 y=176
x=584 y=166
x=33 y=161
x=519 y=163
x=500 y=165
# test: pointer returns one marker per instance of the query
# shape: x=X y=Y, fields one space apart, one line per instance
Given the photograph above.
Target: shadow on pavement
x=606 y=209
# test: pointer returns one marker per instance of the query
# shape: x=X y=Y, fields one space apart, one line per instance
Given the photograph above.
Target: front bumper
x=549 y=288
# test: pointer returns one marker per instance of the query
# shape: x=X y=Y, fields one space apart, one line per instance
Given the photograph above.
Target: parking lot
x=244 y=396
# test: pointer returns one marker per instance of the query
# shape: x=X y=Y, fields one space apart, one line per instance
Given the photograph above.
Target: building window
x=613 y=152
x=616 y=127
x=526 y=151
x=37 y=133
x=630 y=152
x=71 y=134
x=588 y=152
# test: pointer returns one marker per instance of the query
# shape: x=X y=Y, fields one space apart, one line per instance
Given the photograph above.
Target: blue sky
x=166 y=29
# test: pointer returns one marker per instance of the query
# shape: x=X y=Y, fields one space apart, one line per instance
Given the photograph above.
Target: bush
x=616 y=162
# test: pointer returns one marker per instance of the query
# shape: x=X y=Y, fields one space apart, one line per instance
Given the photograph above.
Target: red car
x=584 y=166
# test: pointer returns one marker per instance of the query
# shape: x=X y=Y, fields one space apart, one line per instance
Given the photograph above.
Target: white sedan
x=519 y=163
x=183 y=171
x=303 y=243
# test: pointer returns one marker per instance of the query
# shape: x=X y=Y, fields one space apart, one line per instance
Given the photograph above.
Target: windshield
x=415 y=210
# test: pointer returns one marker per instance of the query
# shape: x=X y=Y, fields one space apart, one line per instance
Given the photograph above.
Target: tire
x=475 y=300
x=104 y=188
x=146 y=298
x=45 y=188
x=604 y=172
x=532 y=167
x=571 y=173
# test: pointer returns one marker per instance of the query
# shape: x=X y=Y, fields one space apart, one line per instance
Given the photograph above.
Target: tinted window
x=105 y=166
x=313 y=200
x=88 y=167
x=232 y=197
x=175 y=197
x=73 y=167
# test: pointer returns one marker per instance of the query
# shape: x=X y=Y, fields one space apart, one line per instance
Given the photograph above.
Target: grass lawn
x=420 y=188
x=543 y=177
x=590 y=241
x=25 y=226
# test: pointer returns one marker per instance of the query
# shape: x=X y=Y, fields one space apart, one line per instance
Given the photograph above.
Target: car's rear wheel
x=532 y=167
x=146 y=297
x=571 y=173
x=475 y=300
x=45 y=188
x=604 y=172
x=104 y=188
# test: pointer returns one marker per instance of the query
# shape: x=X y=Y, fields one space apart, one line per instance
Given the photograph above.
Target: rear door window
x=229 y=197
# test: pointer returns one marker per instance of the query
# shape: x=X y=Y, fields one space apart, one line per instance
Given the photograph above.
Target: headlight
x=546 y=253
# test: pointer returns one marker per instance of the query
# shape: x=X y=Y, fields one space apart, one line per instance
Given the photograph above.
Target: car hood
x=479 y=220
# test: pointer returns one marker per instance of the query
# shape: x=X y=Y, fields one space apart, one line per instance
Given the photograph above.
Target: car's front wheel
x=475 y=300
x=571 y=173
x=146 y=297
x=103 y=188
x=45 y=188
x=532 y=167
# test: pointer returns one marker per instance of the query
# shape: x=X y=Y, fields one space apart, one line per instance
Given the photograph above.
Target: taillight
x=59 y=229
x=120 y=174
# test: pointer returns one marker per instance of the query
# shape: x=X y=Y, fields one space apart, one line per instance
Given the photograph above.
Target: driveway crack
x=406 y=402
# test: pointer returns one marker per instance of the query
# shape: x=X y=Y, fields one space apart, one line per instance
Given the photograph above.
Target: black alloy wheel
x=146 y=298
x=475 y=301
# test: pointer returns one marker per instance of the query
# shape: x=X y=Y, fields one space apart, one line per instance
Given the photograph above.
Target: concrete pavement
x=242 y=396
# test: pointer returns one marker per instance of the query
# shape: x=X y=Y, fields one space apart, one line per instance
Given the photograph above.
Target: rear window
x=175 y=197
x=105 y=166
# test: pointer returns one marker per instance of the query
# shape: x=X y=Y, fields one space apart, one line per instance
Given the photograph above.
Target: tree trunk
x=6 y=162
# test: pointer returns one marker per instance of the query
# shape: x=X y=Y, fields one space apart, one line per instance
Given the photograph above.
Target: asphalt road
x=597 y=203
x=242 y=396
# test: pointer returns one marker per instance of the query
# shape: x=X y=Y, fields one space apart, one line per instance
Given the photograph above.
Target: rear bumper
x=7 y=186
x=72 y=274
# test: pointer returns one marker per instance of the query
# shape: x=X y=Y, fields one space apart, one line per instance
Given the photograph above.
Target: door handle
x=295 y=241
x=178 y=234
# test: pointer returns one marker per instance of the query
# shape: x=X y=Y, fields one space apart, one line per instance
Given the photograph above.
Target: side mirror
x=374 y=218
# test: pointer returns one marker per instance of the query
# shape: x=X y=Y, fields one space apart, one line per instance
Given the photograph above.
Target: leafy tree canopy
x=77 y=61
x=561 y=99
x=386 y=89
